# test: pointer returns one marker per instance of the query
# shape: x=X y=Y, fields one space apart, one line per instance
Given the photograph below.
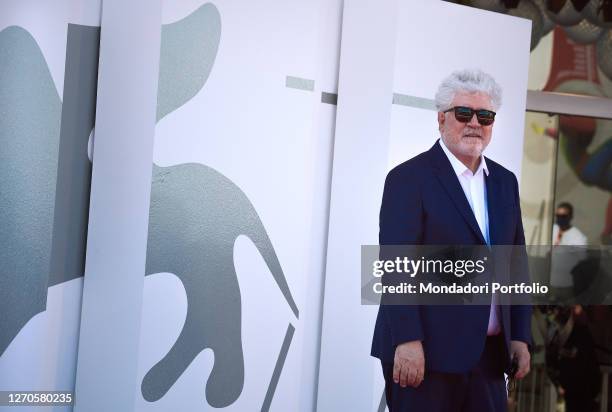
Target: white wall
x=373 y=135
x=274 y=143
x=42 y=355
x=277 y=144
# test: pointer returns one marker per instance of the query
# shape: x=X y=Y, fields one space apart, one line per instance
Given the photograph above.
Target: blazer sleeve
x=401 y=223
x=520 y=314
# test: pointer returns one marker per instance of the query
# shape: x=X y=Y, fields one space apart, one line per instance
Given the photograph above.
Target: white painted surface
x=118 y=219
x=372 y=136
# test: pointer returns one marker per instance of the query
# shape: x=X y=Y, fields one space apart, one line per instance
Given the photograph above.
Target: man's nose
x=474 y=121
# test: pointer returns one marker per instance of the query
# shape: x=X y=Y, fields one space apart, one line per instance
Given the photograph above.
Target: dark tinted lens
x=485 y=117
x=463 y=114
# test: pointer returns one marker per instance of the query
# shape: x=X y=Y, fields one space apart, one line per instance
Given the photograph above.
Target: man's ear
x=441 y=120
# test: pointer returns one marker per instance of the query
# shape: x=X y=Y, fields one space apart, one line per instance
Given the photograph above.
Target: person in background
x=571 y=360
x=568 y=249
x=563 y=231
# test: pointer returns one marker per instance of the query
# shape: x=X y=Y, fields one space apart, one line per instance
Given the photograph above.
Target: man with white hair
x=453 y=358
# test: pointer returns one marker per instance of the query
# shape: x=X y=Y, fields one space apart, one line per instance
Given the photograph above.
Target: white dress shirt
x=475 y=190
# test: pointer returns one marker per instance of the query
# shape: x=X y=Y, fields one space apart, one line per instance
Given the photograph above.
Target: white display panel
x=244 y=129
x=48 y=72
x=376 y=132
x=246 y=110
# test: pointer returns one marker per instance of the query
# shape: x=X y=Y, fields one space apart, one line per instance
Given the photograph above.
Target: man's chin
x=472 y=150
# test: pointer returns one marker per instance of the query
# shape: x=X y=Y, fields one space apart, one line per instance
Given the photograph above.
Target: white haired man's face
x=466 y=139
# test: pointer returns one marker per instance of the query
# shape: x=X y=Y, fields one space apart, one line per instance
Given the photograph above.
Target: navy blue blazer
x=423 y=203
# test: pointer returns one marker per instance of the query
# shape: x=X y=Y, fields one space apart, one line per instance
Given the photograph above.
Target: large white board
x=388 y=77
x=242 y=127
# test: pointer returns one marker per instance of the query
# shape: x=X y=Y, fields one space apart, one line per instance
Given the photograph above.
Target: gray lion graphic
x=196 y=213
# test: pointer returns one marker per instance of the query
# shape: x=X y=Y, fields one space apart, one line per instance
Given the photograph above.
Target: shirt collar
x=459 y=167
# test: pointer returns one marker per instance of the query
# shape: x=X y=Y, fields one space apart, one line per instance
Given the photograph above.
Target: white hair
x=470 y=81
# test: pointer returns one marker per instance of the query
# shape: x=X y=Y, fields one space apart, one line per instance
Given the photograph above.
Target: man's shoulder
x=412 y=167
x=495 y=169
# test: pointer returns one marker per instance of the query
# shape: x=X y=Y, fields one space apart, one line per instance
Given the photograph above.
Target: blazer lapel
x=447 y=177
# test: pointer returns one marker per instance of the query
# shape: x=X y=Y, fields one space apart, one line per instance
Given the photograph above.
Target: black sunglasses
x=464 y=115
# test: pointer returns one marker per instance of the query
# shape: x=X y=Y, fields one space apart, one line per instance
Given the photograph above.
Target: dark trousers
x=483 y=389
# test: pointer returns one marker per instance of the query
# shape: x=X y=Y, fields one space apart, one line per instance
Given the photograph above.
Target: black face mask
x=563 y=221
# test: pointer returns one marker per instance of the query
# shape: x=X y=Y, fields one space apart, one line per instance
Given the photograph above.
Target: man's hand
x=409 y=364
x=519 y=350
